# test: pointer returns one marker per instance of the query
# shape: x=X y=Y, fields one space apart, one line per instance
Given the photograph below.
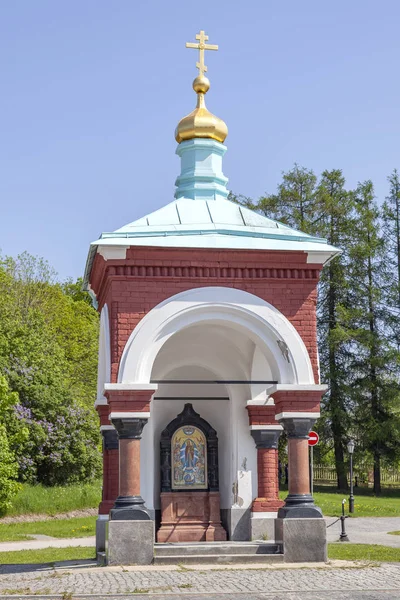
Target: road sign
x=313 y=438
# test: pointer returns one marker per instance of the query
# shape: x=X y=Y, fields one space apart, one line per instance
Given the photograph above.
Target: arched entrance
x=215 y=348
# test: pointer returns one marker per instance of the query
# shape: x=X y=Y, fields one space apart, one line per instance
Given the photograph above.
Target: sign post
x=313 y=439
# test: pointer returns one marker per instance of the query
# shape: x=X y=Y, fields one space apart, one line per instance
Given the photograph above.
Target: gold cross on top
x=201 y=46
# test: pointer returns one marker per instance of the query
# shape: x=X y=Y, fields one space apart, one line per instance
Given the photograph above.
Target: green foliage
x=58 y=528
x=358 y=309
x=39 y=499
x=48 y=353
x=8 y=465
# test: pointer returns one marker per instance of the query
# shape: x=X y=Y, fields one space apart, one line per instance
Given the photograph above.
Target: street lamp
x=350 y=450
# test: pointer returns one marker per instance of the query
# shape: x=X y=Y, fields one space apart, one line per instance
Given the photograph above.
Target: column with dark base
x=129 y=506
x=299 y=503
x=299 y=528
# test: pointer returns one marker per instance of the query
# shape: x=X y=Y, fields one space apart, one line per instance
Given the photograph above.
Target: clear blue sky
x=91 y=92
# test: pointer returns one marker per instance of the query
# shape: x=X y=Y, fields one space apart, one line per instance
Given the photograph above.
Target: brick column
x=110 y=469
x=129 y=505
x=267 y=470
x=129 y=411
x=265 y=432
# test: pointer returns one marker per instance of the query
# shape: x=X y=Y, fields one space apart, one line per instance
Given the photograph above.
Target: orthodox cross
x=201 y=46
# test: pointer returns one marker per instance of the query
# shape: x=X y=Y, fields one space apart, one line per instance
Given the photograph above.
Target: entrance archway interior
x=200 y=353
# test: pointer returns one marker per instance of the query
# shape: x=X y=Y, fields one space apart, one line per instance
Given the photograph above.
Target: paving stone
x=360 y=582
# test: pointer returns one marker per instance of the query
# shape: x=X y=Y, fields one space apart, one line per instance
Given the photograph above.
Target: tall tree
x=334 y=220
x=373 y=360
x=391 y=231
x=295 y=200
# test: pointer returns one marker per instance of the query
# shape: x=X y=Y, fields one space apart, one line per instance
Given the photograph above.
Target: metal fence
x=364 y=474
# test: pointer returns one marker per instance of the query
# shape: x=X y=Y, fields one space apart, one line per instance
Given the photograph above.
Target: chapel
x=207 y=353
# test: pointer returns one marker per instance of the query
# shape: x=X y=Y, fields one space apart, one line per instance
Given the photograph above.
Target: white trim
x=261 y=402
x=264 y=324
x=269 y=427
x=106 y=427
x=264 y=515
x=103 y=517
x=102 y=401
x=112 y=252
x=284 y=387
x=297 y=415
x=321 y=258
x=130 y=386
x=104 y=355
x=129 y=415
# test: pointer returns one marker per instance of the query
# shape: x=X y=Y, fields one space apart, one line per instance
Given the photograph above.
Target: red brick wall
x=132 y=287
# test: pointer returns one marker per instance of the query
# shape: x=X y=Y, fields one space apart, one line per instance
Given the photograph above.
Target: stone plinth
x=303 y=540
x=130 y=543
x=190 y=517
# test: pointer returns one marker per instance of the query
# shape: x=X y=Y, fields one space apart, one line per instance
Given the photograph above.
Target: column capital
x=266 y=438
x=110 y=438
x=128 y=427
x=298 y=427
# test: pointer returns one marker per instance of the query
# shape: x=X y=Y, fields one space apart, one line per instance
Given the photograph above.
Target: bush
x=8 y=473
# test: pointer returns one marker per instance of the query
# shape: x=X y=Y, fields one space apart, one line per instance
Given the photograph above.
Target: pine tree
x=294 y=202
x=334 y=220
x=391 y=231
x=373 y=361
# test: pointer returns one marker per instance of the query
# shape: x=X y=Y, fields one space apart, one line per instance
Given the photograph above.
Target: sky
x=92 y=90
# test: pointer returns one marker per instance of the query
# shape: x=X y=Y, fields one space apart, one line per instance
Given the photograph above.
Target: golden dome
x=201 y=123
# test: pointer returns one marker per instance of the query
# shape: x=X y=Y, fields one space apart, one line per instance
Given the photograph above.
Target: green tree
x=8 y=464
x=334 y=219
x=375 y=385
x=48 y=352
x=391 y=232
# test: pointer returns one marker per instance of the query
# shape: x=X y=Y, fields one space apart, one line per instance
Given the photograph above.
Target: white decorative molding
x=283 y=387
x=264 y=515
x=129 y=415
x=112 y=252
x=257 y=319
x=112 y=387
x=107 y=427
x=321 y=258
x=297 y=415
x=104 y=362
x=103 y=517
x=102 y=401
x=264 y=427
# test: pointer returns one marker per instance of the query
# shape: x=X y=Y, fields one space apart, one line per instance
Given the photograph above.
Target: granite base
x=130 y=542
x=302 y=540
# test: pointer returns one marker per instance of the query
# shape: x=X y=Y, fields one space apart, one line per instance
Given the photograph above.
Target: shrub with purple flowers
x=48 y=356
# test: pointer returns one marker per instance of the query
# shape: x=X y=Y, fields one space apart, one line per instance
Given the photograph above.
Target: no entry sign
x=313 y=438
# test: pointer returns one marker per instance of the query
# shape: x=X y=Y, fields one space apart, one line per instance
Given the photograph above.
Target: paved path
x=325 y=582
x=367 y=530
x=47 y=542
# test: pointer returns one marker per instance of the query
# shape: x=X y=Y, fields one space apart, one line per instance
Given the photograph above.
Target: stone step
x=216 y=549
x=217 y=559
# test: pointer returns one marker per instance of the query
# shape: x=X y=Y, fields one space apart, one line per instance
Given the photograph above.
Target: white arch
x=248 y=313
x=104 y=365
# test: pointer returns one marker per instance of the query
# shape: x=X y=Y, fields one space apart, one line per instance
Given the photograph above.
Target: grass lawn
x=365 y=505
x=59 y=528
x=47 y=555
x=345 y=551
x=59 y=499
